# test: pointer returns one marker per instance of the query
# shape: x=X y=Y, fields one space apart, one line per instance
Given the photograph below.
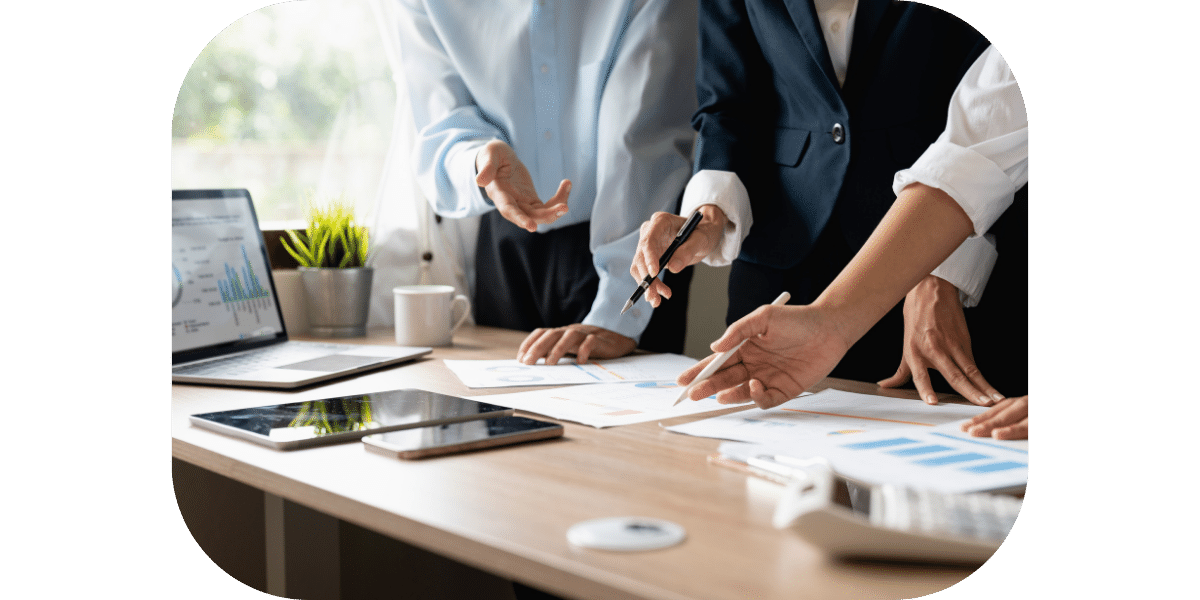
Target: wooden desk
x=506 y=511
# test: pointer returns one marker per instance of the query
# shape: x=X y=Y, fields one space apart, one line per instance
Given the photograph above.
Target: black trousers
x=528 y=280
x=998 y=325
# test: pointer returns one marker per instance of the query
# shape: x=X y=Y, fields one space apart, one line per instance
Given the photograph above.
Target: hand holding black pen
x=680 y=238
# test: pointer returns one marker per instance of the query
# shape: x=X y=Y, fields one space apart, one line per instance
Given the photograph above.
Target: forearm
x=450 y=127
x=922 y=228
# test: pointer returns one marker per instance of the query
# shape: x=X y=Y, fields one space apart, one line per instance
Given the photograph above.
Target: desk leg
x=303 y=551
x=274 y=528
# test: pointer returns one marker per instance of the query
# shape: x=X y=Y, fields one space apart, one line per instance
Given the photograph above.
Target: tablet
x=333 y=420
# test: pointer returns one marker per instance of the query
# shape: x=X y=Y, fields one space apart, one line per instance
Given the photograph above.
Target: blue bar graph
x=919 y=450
x=993 y=467
x=879 y=444
x=951 y=459
x=234 y=290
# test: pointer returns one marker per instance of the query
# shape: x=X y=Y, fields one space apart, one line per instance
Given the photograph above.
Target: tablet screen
x=346 y=417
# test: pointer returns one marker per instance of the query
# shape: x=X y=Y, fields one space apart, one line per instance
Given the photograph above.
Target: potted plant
x=332 y=254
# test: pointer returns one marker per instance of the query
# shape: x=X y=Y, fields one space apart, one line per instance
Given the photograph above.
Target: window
x=294 y=102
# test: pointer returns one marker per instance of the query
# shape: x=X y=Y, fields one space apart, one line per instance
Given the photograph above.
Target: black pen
x=680 y=238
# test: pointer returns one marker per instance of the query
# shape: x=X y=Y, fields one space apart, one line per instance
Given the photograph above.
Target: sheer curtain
x=303 y=101
x=411 y=244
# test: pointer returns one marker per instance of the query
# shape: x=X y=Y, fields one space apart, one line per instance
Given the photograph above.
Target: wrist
x=711 y=213
x=845 y=321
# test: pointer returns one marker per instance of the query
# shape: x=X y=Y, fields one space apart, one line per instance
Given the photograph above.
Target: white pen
x=722 y=357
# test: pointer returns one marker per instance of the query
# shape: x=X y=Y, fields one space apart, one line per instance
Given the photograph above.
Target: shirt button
x=549 y=135
x=835 y=26
x=839 y=134
x=545 y=69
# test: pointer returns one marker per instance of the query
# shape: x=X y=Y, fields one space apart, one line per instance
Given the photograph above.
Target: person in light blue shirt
x=566 y=125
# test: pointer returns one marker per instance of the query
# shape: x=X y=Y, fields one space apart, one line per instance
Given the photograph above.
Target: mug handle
x=466 y=304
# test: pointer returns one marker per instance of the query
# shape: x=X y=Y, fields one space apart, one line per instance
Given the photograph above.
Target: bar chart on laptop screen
x=218 y=279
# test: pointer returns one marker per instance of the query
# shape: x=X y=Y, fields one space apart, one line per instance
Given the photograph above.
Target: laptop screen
x=223 y=297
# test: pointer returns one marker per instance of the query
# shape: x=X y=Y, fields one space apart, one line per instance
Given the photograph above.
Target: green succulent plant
x=332 y=239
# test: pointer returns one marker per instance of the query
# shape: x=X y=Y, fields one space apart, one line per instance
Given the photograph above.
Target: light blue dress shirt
x=601 y=93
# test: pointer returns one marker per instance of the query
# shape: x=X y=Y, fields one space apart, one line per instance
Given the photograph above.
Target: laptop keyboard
x=263 y=358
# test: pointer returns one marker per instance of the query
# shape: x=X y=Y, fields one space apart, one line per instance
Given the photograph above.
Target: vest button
x=839 y=134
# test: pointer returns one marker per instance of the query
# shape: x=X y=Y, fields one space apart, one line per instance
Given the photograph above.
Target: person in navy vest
x=813 y=116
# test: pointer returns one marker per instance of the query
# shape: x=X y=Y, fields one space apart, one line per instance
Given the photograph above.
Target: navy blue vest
x=772 y=112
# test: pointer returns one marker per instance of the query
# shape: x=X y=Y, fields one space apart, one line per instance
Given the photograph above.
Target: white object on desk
x=830 y=412
x=605 y=404
x=894 y=522
x=716 y=363
x=511 y=373
x=626 y=534
x=424 y=314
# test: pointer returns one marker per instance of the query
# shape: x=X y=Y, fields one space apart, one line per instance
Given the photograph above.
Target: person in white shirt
x=956 y=190
x=988 y=171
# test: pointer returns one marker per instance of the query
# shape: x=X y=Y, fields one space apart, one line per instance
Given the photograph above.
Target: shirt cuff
x=976 y=183
x=611 y=296
x=724 y=190
x=460 y=162
x=969 y=268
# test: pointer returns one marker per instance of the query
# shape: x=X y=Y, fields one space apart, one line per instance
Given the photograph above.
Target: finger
x=986 y=415
x=920 y=378
x=959 y=381
x=765 y=397
x=750 y=325
x=566 y=343
x=487 y=168
x=559 y=200
x=967 y=362
x=542 y=346
x=529 y=341
x=1003 y=414
x=1016 y=431
x=691 y=252
x=585 y=348
x=660 y=233
x=735 y=395
x=657 y=292
x=725 y=378
x=510 y=210
x=545 y=214
x=691 y=372
x=903 y=374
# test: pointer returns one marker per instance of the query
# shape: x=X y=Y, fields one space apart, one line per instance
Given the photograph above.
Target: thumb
x=486 y=167
x=560 y=196
x=744 y=328
x=900 y=378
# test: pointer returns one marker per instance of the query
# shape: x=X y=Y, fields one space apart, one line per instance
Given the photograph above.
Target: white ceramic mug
x=423 y=314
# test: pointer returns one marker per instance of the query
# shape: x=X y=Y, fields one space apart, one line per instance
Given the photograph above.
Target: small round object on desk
x=628 y=534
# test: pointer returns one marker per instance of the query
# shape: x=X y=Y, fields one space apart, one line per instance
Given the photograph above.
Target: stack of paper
x=606 y=404
x=831 y=412
x=939 y=458
x=510 y=373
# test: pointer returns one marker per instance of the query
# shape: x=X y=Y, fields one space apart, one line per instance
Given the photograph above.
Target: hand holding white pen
x=717 y=362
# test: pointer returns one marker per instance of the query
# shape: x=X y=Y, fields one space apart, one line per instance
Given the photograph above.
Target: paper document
x=606 y=404
x=936 y=458
x=510 y=373
x=830 y=412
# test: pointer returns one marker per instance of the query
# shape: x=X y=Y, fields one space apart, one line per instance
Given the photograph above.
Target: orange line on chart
x=813 y=412
x=600 y=366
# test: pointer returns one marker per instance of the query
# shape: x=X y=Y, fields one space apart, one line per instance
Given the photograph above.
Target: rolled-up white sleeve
x=980 y=160
x=725 y=190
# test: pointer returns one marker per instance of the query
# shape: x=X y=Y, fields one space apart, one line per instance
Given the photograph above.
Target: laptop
x=226 y=323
